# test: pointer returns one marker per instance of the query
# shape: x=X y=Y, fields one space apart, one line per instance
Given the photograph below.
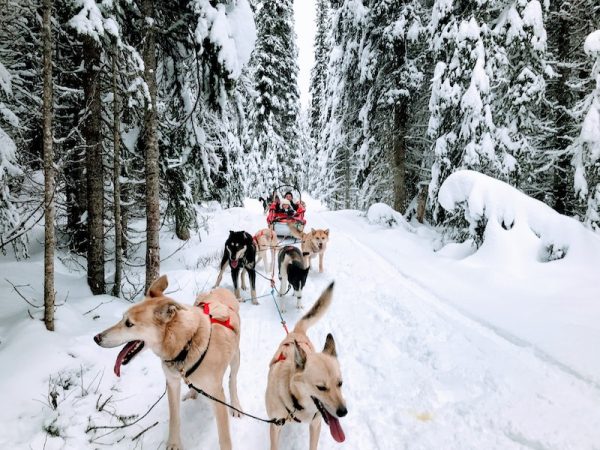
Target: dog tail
x=316 y=312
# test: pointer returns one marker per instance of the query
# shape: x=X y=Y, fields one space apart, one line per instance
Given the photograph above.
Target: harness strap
x=225 y=323
x=278 y=422
x=192 y=369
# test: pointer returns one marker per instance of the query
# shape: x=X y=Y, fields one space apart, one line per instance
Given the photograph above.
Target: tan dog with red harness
x=195 y=343
x=304 y=385
x=265 y=240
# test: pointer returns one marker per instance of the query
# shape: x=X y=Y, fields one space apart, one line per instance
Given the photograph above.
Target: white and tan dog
x=304 y=385
x=196 y=343
x=314 y=243
x=265 y=240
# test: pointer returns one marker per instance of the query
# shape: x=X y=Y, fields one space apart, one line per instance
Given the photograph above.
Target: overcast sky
x=304 y=12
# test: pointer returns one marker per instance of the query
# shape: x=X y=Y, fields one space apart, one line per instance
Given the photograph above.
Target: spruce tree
x=274 y=145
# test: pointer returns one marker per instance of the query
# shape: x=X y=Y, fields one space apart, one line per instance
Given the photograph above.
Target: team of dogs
x=198 y=343
x=243 y=252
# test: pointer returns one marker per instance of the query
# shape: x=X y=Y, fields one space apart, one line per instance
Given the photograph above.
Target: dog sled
x=281 y=219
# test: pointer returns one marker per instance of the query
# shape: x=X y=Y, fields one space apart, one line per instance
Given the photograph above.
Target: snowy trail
x=417 y=374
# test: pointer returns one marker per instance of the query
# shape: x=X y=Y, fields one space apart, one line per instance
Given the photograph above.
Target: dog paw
x=174 y=446
x=255 y=302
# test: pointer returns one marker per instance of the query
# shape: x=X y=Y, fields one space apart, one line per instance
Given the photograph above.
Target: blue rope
x=279 y=311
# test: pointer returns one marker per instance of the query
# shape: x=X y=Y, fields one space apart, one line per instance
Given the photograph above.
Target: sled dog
x=315 y=243
x=293 y=269
x=304 y=385
x=196 y=343
x=239 y=253
x=266 y=241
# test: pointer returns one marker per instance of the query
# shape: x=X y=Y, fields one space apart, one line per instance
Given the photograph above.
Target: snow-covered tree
x=9 y=169
x=521 y=109
x=586 y=147
x=461 y=103
x=274 y=146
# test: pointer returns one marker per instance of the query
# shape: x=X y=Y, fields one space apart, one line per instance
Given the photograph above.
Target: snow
x=88 y=20
x=451 y=349
x=534 y=18
x=8 y=151
x=230 y=28
x=592 y=43
x=5 y=80
x=382 y=214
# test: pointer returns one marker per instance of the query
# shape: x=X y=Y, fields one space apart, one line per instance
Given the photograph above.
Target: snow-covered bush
x=501 y=218
x=382 y=214
x=586 y=147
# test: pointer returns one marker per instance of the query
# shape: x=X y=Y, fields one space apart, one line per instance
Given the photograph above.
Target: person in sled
x=285 y=206
x=289 y=196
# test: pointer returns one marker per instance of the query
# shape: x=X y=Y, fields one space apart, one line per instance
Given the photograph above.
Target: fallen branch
x=126 y=425
x=144 y=430
x=16 y=288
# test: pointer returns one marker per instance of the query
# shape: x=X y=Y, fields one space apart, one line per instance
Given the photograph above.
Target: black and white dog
x=293 y=268
x=240 y=255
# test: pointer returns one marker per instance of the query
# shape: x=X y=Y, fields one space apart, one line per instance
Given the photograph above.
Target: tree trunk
x=94 y=166
x=116 y=291
x=399 y=157
x=47 y=111
x=422 y=203
x=152 y=154
x=76 y=191
x=562 y=123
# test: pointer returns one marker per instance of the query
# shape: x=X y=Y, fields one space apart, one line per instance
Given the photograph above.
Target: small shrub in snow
x=382 y=214
x=552 y=253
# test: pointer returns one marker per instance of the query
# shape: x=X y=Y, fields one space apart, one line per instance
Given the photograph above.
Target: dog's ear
x=329 y=348
x=166 y=311
x=299 y=357
x=158 y=287
x=327 y=231
x=231 y=232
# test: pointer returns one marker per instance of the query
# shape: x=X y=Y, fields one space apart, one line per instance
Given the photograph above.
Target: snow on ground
x=438 y=350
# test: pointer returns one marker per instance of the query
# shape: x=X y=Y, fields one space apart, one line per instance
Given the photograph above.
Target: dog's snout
x=341 y=411
x=98 y=338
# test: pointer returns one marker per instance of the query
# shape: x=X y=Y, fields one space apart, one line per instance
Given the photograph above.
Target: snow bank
x=382 y=214
x=514 y=224
x=592 y=43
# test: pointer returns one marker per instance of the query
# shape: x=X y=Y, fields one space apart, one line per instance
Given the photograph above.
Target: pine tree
x=274 y=145
x=586 y=147
x=9 y=169
x=462 y=118
x=521 y=108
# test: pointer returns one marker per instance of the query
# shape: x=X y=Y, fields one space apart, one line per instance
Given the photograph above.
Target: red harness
x=281 y=356
x=225 y=323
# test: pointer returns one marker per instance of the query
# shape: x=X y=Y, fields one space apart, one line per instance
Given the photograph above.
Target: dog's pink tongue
x=335 y=428
x=121 y=357
x=234 y=263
